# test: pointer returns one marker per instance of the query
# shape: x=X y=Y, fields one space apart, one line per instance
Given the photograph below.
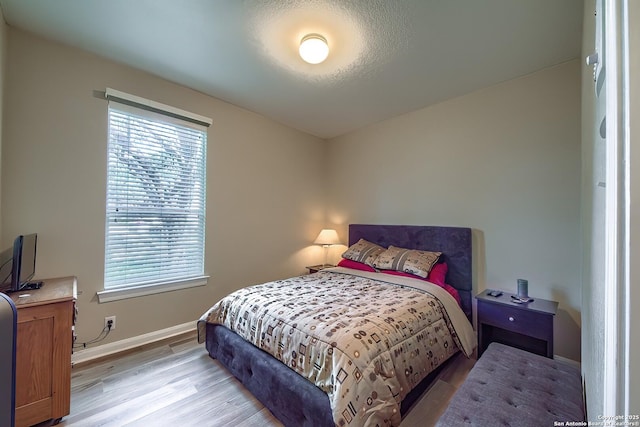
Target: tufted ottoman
x=511 y=387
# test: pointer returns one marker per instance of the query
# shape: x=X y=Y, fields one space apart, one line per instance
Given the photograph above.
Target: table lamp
x=326 y=238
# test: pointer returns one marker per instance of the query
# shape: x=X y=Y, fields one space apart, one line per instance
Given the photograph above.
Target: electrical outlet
x=111 y=319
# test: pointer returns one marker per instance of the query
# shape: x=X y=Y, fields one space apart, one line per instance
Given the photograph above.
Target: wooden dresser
x=43 y=354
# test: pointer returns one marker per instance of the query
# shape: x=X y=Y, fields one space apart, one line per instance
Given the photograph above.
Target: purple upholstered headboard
x=453 y=242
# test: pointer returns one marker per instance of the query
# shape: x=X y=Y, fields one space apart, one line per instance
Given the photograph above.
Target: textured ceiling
x=387 y=57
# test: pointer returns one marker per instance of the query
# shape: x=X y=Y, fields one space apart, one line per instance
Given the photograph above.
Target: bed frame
x=298 y=402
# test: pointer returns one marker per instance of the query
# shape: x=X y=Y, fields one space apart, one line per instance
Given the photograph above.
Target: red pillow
x=438 y=274
x=355 y=265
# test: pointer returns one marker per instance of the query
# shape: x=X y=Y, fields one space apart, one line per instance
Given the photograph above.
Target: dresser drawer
x=515 y=319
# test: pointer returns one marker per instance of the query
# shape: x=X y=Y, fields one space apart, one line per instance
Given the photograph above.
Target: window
x=155 y=219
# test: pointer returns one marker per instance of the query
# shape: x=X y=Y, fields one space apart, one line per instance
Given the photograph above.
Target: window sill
x=109 y=295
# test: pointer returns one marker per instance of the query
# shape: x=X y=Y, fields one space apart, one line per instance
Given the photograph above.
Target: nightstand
x=526 y=326
x=316 y=268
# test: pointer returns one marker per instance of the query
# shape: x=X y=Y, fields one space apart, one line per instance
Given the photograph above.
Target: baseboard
x=111 y=348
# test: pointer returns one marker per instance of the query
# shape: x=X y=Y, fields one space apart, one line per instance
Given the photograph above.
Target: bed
x=321 y=376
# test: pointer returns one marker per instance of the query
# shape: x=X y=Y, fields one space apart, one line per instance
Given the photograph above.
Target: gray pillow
x=363 y=251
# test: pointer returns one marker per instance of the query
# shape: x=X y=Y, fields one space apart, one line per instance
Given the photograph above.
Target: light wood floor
x=176 y=383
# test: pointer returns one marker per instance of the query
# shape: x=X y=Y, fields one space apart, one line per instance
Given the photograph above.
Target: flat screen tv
x=22 y=258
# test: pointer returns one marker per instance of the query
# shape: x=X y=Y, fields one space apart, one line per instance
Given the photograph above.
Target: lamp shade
x=327 y=237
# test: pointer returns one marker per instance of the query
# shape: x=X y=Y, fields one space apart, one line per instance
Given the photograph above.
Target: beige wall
x=265 y=184
x=504 y=160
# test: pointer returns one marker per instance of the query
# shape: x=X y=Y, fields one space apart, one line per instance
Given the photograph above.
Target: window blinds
x=155 y=198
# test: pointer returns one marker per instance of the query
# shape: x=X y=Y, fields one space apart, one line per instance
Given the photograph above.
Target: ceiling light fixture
x=314 y=48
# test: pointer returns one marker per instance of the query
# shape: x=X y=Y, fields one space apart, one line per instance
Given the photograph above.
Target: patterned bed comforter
x=366 y=342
